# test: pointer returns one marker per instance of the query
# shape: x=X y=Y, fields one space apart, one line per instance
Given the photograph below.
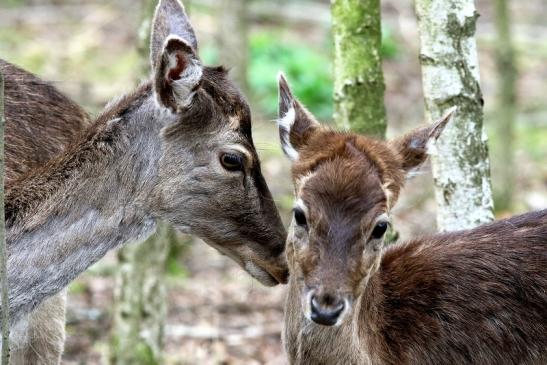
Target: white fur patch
x=300 y=204
x=189 y=78
x=285 y=124
x=258 y=273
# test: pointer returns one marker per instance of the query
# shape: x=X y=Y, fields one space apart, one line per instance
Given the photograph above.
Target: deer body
x=52 y=230
x=470 y=297
x=32 y=138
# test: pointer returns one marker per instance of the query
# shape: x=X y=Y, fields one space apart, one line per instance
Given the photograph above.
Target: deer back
x=40 y=120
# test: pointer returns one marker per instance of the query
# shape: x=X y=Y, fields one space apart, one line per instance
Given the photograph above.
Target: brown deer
x=40 y=122
x=469 y=297
x=178 y=148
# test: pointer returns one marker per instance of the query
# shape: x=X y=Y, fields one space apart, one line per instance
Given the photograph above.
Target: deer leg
x=40 y=341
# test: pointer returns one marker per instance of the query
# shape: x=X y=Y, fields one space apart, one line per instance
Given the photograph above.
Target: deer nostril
x=326 y=312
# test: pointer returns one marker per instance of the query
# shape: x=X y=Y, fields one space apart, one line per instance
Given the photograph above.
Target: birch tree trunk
x=140 y=294
x=233 y=39
x=358 y=78
x=450 y=76
x=3 y=250
x=502 y=160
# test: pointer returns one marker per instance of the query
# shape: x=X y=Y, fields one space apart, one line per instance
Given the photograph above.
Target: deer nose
x=326 y=309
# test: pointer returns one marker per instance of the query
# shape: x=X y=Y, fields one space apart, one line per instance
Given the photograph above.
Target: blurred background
x=216 y=313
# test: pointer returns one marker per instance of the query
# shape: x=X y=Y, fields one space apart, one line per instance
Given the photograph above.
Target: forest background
x=215 y=312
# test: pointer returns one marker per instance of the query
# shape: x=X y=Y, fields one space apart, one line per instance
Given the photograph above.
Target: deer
x=40 y=122
x=178 y=148
x=476 y=296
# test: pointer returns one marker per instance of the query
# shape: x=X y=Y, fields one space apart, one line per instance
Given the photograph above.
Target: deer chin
x=260 y=274
x=265 y=277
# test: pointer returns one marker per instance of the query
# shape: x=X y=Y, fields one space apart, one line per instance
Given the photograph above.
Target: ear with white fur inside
x=295 y=123
x=414 y=146
x=177 y=75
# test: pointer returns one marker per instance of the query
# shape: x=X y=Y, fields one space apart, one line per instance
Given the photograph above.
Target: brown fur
x=470 y=297
x=40 y=122
x=30 y=106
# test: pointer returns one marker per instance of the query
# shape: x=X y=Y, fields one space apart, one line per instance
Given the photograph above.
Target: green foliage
x=77 y=287
x=389 y=47
x=13 y=3
x=308 y=70
x=144 y=355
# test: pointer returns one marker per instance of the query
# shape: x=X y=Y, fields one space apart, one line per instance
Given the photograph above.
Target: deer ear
x=413 y=146
x=177 y=75
x=295 y=123
x=170 y=19
x=176 y=67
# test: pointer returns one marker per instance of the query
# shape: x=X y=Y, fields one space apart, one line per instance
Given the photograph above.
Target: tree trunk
x=140 y=293
x=502 y=161
x=233 y=39
x=450 y=76
x=3 y=250
x=140 y=299
x=358 y=78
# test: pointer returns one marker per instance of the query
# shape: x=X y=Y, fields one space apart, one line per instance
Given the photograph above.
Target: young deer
x=178 y=148
x=470 y=297
x=40 y=122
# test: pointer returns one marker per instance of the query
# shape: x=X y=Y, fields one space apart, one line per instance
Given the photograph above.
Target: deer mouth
x=266 y=278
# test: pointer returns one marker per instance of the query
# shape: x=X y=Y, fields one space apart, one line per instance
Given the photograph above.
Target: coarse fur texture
x=157 y=153
x=40 y=122
x=468 y=297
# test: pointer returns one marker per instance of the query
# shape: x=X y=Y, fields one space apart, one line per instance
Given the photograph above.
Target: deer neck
x=65 y=216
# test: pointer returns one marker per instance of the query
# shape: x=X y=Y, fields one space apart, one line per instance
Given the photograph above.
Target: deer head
x=209 y=180
x=344 y=186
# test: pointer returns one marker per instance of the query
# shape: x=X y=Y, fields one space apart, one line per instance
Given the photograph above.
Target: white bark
x=450 y=74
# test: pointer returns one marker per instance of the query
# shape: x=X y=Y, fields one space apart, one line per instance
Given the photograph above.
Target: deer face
x=344 y=185
x=210 y=183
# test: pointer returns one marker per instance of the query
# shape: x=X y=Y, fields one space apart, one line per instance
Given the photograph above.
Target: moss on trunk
x=358 y=78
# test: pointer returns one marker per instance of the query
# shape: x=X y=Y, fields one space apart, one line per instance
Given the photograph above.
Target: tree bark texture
x=502 y=158
x=233 y=39
x=140 y=301
x=450 y=76
x=358 y=78
x=3 y=250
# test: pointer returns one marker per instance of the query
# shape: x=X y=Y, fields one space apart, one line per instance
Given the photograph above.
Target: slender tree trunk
x=502 y=160
x=140 y=296
x=450 y=75
x=140 y=293
x=233 y=39
x=3 y=250
x=358 y=77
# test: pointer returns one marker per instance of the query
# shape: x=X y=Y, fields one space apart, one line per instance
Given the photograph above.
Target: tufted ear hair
x=413 y=146
x=178 y=74
x=176 y=67
x=295 y=123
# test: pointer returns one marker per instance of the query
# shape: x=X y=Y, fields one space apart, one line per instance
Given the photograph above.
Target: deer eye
x=231 y=161
x=300 y=217
x=379 y=230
